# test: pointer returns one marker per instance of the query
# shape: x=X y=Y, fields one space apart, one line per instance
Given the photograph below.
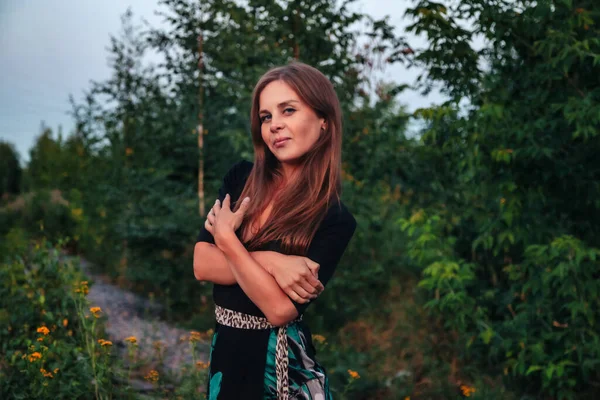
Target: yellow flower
x=43 y=329
x=202 y=365
x=319 y=338
x=353 y=374
x=35 y=356
x=131 y=339
x=152 y=376
x=77 y=213
x=56 y=370
x=96 y=311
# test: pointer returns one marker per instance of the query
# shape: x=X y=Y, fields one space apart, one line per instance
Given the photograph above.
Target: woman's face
x=289 y=126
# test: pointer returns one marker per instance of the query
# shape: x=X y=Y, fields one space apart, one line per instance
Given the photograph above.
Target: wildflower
x=202 y=365
x=195 y=336
x=96 y=311
x=353 y=374
x=56 y=370
x=83 y=288
x=65 y=322
x=46 y=373
x=128 y=151
x=35 y=356
x=104 y=343
x=152 y=376
x=319 y=338
x=40 y=339
x=44 y=330
x=502 y=200
x=467 y=390
x=131 y=339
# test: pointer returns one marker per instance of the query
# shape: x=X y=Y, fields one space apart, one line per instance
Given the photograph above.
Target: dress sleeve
x=231 y=184
x=328 y=246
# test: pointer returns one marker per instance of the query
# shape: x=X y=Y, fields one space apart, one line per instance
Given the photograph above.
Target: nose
x=276 y=125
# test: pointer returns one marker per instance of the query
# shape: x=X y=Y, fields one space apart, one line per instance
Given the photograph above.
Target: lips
x=280 y=140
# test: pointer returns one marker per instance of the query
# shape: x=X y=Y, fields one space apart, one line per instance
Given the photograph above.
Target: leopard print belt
x=240 y=320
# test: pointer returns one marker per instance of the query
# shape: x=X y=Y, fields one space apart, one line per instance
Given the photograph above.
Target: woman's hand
x=221 y=222
x=297 y=276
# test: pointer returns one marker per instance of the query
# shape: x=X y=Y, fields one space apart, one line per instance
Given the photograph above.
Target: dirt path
x=131 y=315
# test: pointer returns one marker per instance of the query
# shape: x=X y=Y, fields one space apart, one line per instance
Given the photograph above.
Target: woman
x=273 y=252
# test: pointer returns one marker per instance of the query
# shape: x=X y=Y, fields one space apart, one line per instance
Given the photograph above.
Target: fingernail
x=247 y=199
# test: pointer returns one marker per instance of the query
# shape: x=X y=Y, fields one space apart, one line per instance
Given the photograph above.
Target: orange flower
x=466 y=390
x=195 y=336
x=96 y=311
x=202 y=365
x=46 y=373
x=131 y=339
x=104 y=343
x=152 y=376
x=353 y=374
x=319 y=338
x=43 y=329
x=65 y=322
x=35 y=356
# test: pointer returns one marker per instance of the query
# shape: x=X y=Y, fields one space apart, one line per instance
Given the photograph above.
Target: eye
x=264 y=117
x=289 y=109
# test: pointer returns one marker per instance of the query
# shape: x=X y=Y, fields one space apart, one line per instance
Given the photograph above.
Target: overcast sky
x=50 y=49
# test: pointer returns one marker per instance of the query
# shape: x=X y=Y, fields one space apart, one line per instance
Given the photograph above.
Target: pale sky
x=50 y=49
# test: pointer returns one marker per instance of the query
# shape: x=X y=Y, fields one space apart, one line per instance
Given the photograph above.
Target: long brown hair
x=300 y=207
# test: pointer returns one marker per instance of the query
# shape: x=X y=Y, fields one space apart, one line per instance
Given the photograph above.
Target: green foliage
x=32 y=295
x=509 y=251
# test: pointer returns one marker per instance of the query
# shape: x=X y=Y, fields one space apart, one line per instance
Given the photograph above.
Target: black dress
x=242 y=360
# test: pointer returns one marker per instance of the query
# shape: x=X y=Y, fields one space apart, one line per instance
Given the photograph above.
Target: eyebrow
x=280 y=105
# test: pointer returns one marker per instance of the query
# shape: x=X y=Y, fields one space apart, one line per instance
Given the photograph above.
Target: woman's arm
x=258 y=285
x=210 y=264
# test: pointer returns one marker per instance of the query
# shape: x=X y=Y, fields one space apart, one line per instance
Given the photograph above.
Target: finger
x=301 y=292
x=209 y=227
x=226 y=202
x=211 y=218
x=314 y=283
x=217 y=207
x=314 y=267
x=294 y=296
x=311 y=290
x=244 y=206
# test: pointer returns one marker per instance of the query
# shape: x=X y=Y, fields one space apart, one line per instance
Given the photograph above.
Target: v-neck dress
x=242 y=361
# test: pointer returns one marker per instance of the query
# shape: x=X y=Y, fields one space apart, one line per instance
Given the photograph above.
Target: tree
x=509 y=252
x=10 y=170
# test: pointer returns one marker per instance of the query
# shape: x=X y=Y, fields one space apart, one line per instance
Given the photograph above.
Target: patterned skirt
x=252 y=359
